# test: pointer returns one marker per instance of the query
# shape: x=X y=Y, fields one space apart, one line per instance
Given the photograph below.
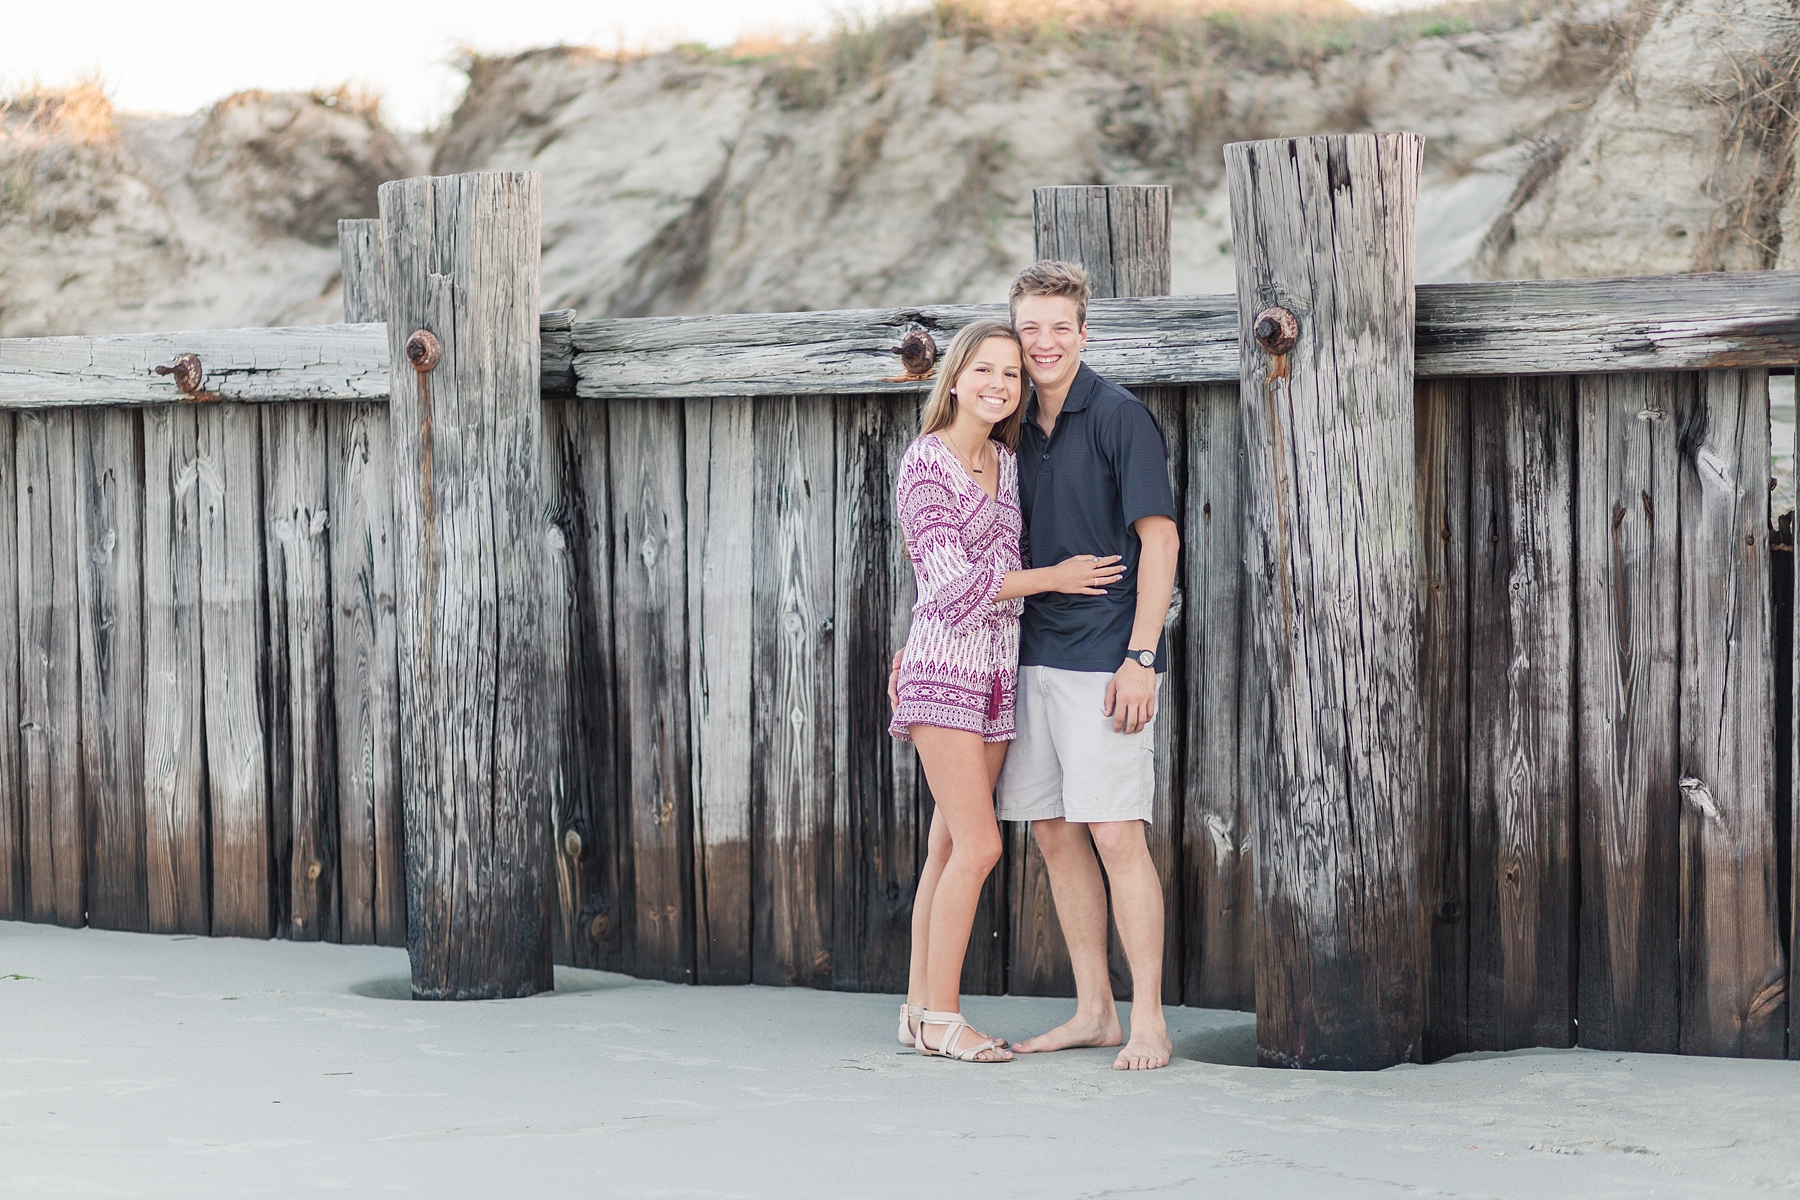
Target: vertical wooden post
x=460 y=267
x=366 y=663
x=1121 y=236
x=1323 y=230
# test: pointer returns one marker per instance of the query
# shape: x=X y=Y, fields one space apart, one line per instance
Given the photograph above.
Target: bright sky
x=181 y=55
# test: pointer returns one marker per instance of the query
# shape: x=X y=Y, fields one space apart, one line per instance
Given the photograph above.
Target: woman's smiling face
x=990 y=386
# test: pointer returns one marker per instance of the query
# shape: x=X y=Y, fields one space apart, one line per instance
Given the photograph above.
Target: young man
x=1093 y=479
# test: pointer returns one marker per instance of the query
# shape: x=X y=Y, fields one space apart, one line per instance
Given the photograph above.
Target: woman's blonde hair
x=940 y=410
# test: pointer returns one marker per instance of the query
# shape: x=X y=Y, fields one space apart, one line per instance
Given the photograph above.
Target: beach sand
x=146 y=1065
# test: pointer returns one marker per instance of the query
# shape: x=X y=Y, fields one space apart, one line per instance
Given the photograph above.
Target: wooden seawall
x=199 y=654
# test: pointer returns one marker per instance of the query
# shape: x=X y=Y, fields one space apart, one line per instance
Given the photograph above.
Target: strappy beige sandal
x=908 y=1014
x=953 y=1028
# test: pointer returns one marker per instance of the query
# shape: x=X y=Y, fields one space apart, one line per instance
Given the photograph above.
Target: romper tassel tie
x=993 y=712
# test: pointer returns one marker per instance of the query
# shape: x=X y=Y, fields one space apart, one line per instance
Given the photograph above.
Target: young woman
x=958 y=500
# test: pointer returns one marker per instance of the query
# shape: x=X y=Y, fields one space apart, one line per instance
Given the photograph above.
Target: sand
x=142 y=1065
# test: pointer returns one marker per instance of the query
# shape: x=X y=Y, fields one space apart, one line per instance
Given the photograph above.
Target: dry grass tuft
x=1125 y=35
x=81 y=115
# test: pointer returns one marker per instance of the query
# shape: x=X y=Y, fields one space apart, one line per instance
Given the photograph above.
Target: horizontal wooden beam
x=256 y=366
x=1548 y=327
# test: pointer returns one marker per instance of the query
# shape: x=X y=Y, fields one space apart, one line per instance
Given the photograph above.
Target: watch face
x=1146 y=658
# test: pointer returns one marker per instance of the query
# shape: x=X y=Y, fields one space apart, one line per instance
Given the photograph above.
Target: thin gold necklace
x=960 y=456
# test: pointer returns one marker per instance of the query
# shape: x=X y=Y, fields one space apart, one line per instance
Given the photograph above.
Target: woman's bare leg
x=959 y=767
x=937 y=854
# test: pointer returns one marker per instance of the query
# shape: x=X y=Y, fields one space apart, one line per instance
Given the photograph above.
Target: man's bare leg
x=1080 y=896
x=1138 y=908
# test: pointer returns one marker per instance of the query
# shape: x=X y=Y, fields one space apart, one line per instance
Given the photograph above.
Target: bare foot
x=1075 y=1034
x=1147 y=1050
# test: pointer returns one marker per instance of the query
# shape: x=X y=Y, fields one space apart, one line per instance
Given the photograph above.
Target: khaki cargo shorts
x=1066 y=761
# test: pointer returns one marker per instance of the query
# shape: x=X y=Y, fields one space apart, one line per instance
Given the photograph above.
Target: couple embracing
x=1029 y=691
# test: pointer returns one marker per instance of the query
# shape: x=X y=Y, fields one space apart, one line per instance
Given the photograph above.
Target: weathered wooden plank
x=649 y=546
x=1442 y=413
x=1582 y=326
x=586 y=820
x=1217 y=868
x=228 y=466
x=1332 y=541
x=302 y=741
x=1627 y=605
x=1522 y=900
x=720 y=498
x=365 y=657
x=792 y=677
x=13 y=898
x=177 y=851
x=1164 y=834
x=109 y=541
x=459 y=269
x=49 y=675
x=1676 y=322
x=1733 y=969
x=1138 y=341
x=277 y=365
x=878 y=778
x=1123 y=228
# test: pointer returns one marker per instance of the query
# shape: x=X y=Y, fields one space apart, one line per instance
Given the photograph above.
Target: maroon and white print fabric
x=960 y=668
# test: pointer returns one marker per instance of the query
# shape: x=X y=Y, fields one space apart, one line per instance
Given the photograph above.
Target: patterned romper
x=961 y=664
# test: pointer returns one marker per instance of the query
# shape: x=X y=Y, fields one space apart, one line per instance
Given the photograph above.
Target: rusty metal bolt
x=1276 y=330
x=187 y=373
x=918 y=353
x=422 y=350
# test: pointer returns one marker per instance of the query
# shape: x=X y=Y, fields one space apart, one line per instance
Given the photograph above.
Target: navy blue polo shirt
x=1080 y=489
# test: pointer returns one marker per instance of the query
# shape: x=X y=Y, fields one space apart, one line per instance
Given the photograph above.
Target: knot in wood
x=187 y=373
x=918 y=353
x=1276 y=330
x=422 y=350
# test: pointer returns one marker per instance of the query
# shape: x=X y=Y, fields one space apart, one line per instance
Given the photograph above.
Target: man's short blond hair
x=1052 y=278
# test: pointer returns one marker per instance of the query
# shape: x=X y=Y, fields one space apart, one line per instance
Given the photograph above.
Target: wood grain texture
x=177 y=847
x=302 y=740
x=1217 y=865
x=234 y=664
x=1164 y=833
x=883 y=845
x=587 y=824
x=721 y=484
x=1331 y=538
x=1627 y=607
x=1677 y=322
x=49 y=675
x=793 y=673
x=109 y=544
x=365 y=676
x=1733 y=969
x=365 y=655
x=459 y=260
x=1119 y=233
x=1442 y=415
x=1145 y=341
x=1522 y=907
x=649 y=514
x=13 y=853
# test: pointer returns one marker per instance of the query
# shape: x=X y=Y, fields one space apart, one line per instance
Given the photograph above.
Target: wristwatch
x=1143 y=658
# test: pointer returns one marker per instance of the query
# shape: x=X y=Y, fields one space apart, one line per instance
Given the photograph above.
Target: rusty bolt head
x=1276 y=330
x=918 y=353
x=422 y=350
x=187 y=373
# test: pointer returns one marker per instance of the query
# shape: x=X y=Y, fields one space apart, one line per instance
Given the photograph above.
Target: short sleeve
x=1140 y=460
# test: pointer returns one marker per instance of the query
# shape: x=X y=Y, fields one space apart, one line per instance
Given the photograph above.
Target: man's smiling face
x=1053 y=336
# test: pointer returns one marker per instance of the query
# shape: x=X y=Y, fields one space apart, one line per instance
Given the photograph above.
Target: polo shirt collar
x=1081 y=390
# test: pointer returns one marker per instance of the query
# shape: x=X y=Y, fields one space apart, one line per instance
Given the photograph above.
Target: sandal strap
x=954 y=1025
